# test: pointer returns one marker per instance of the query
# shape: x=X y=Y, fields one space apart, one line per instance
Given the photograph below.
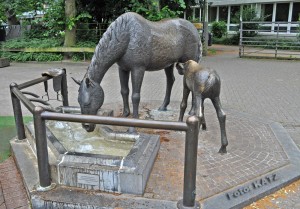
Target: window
x=282 y=12
x=267 y=12
x=212 y=14
x=296 y=12
x=223 y=13
x=234 y=14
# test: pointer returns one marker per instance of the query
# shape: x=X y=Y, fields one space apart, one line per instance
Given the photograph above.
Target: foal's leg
x=170 y=81
x=203 y=122
x=124 y=77
x=222 y=119
x=193 y=109
x=183 y=104
x=199 y=108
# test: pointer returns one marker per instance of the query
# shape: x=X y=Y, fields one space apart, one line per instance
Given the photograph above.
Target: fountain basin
x=124 y=169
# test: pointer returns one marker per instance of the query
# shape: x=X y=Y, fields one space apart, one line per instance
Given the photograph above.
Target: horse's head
x=90 y=98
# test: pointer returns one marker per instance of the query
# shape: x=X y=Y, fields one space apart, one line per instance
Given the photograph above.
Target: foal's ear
x=76 y=81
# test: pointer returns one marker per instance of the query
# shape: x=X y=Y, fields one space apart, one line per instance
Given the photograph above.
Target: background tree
x=70 y=30
x=10 y=9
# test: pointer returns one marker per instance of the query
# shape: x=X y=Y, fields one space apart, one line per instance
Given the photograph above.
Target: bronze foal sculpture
x=137 y=45
x=203 y=83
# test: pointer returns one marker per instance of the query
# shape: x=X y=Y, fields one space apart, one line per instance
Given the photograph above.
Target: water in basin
x=75 y=139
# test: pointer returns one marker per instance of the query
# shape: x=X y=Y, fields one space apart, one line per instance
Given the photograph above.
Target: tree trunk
x=70 y=35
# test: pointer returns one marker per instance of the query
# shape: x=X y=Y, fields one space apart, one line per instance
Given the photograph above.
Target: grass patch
x=8 y=131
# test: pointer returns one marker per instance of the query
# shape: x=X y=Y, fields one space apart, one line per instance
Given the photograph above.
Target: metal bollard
x=41 y=147
x=17 y=113
x=190 y=165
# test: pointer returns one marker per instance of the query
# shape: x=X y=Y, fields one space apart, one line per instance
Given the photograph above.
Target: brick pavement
x=12 y=191
x=264 y=88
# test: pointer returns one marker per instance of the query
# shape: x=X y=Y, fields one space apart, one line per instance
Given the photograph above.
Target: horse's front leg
x=170 y=81
x=124 y=77
x=137 y=76
x=222 y=119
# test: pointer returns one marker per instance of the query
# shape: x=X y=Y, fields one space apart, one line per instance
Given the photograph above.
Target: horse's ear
x=76 y=81
x=87 y=82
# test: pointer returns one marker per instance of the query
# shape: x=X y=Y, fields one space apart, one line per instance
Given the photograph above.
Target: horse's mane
x=113 y=32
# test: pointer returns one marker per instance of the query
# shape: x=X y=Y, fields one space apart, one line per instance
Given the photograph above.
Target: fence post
x=41 y=148
x=64 y=89
x=190 y=165
x=276 y=43
x=17 y=113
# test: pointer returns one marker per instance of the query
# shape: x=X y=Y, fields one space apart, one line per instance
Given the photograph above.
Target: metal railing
x=280 y=40
x=40 y=115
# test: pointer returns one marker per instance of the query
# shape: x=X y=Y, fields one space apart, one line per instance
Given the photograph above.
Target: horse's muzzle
x=89 y=127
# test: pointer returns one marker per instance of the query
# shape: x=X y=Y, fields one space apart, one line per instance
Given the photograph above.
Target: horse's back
x=157 y=45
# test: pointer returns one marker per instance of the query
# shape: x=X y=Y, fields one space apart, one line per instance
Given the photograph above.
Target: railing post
x=41 y=148
x=190 y=165
x=241 y=39
x=64 y=89
x=17 y=113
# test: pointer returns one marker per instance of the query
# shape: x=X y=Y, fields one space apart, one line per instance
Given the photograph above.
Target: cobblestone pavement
x=263 y=88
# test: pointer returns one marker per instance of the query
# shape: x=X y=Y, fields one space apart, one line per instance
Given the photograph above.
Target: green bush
x=219 y=29
x=27 y=56
x=232 y=40
x=20 y=43
x=42 y=56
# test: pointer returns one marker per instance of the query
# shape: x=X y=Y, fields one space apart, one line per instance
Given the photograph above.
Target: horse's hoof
x=203 y=127
x=125 y=114
x=223 y=150
x=191 y=113
x=162 y=108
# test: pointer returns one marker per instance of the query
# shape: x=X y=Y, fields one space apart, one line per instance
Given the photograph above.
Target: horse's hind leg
x=170 y=80
x=199 y=109
x=222 y=119
x=124 y=77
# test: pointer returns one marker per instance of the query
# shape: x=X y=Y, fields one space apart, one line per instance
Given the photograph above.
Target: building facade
x=277 y=15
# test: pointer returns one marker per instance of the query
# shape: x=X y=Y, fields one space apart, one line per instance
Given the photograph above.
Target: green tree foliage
x=10 y=9
x=250 y=14
x=103 y=11
x=150 y=9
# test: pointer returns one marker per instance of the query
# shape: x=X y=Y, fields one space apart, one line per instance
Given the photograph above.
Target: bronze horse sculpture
x=204 y=83
x=137 y=45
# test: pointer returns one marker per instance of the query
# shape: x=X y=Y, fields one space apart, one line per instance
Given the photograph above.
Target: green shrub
x=232 y=40
x=219 y=29
x=26 y=56
x=20 y=43
x=82 y=56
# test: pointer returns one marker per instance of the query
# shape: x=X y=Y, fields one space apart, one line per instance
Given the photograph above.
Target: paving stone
x=13 y=192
